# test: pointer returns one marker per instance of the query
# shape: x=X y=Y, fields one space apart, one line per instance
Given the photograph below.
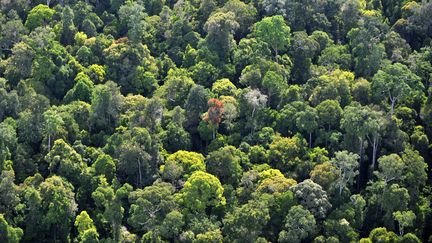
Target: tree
x=336 y=56
x=176 y=88
x=395 y=82
x=257 y=101
x=414 y=175
x=324 y=174
x=8 y=140
x=195 y=105
x=82 y=89
x=226 y=163
x=137 y=153
x=130 y=64
x=172 y=225
x=273 y=31
x=38 y=16
x=376 y=124
x=299 y=225
x=132 y=16
x=410 y=237
x=175 y=137
x=353 y=122
x=11 y=33
x=367 y=58
x=312 y=197
x=19 y=64
x=182 y=164
x=307 y=121
x=201 y=191
x=245 y=15
x=391 y=168
x=231 y=111
x=109 y=203
x=405 y=219
x=106 y=104
x=53 y=123
x=302 y=60
x=65 y=161
x=9 y=193
x=387 y=199
x=154 y=7
x=335 y=85
x=382 y=235
x=87 y=232
x=8 y=233
x=237 y=226
x=105 y=165
x=414 y=23
x=150 y=206
x=347 y=166
x=214 y=114
x=59 y=207
x=284 y=152
x=69 y=29
x=220 y=27
x=274 y=84
x=272 y=181
x=329 y=114
x=224 y=87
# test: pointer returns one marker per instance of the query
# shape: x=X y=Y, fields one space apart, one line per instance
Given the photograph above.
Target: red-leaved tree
x=214 y=114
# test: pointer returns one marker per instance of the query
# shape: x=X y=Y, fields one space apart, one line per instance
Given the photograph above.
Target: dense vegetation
x=215 y=121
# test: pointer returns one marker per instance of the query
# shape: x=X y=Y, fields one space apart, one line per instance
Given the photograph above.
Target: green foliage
x=347 y=166
x=237 y=225
x=284 y=151
x=38 y=16
x=226 y=163
x=395 y=82
x=312 y=197
x=105 y=165
x=215 y=121
x=176 y=88
x=224 y=87
x=201 y=191
x=299 y=225
x=65 y=161
x=220 y=27
x=86 y=229
x=273 y=31
x=59 y=206
x=182 y=164
x=8 y=233
x=151 y=207
x=106 y=103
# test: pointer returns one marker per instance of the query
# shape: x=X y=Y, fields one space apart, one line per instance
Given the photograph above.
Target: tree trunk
x=342 y=184
x=360 y=161
x=393 y=103
x=116 y=232
x=49 y=143
x=55 y=233
x=139 y=173
x=310 y=140
x=252 y=117
x=374 y=151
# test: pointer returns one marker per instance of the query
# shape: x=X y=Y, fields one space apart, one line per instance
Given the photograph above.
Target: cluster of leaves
x=215 y=121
